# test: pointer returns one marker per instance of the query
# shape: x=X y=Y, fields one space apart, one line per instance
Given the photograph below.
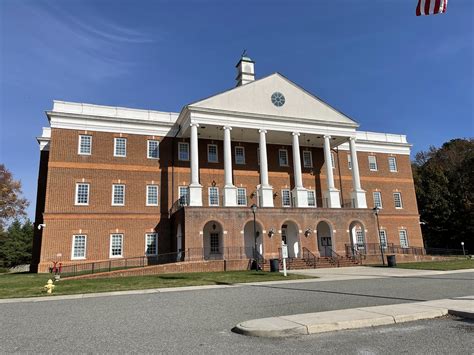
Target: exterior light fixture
x=271 y=232
x=254 y=210
x=308 y=232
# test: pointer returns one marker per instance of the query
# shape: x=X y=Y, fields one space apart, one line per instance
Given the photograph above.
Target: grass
x=456 y=264
x=31 y=285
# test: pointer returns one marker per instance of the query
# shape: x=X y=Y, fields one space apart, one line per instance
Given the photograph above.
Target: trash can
x=274 y=265
x=391 y=261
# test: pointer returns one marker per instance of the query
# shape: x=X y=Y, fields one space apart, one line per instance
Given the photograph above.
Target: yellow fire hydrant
x=49 y=286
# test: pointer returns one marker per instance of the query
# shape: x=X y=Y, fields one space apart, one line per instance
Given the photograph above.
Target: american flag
x=429 y=7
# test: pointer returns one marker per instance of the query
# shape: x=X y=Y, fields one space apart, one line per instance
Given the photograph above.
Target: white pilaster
x=265 y=190
x=332 y=194
x=358 y=195
x=299 y=192
x=230 y=191
x=195 y=188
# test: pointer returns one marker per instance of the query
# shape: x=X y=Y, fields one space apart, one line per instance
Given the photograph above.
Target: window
x=151 y=244
x=311 y=198
x=349 y=162
x=214 y=241
x=212 y=153
x=152 y=195
x=360 y=238
x=82 y=194
x=392 y=164
x=307 y=159
x=120 y=147
x=85 y=145
x=239 y=155
x=333 y=160
x=116 y=245
x=285 y=198
x=241 y=196
x=183 y=151
x=377 y=199
x=153 y=151
x=183 y=195
x=383 y=238
x=372 y=163
x=213 y=196
x=78 y=247
x=397 y=199
x=283 y=157
x=402 y=233
x=118 y=195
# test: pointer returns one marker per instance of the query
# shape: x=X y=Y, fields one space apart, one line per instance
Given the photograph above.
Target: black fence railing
x=189 y=254
x=442 y=251
x=375 y=249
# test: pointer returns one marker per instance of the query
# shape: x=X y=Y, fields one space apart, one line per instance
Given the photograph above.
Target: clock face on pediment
x=278 y=99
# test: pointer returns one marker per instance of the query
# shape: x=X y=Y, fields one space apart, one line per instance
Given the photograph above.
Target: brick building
x=118 y=182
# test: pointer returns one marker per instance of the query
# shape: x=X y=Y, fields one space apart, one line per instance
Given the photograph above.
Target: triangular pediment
x=255 y=99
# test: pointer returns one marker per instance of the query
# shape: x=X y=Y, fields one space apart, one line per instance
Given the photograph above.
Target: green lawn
x=440 y=265
x=31 y=285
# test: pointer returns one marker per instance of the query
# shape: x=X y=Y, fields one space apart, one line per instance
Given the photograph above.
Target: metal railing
x=309 y=257
x=375 y=249
x=189 y=254
x=442 y=251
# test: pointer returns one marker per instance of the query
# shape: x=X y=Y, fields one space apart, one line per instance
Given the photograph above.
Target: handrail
x=307 y=254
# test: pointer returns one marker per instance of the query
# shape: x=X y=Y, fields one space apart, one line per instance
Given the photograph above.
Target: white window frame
x=149 y=151
x=209 y=146
x=244 y=195
x=116 y=139
x=121 y=245
x=216 y=189
x=148 y=195
x=76 y=202
x=307 y=154
x=81 y=136
x=383 y=238
x=155 y=236
x=313 y=192
x=395 y=200
x=374 y=163
x=74 y=237
x=285 y=151
x=183 y=144
x=379 y=194
x=400 y=232
x=113 y=195
x=360 y=236
x=349 y=162
x=283 y=199
x=333 y=160
x=241 y=159
x=392 y=163
x=181 y=194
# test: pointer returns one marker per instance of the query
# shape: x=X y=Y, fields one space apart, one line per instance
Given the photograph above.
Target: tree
x=16 y=244
x=444 y=183
x=12 y=205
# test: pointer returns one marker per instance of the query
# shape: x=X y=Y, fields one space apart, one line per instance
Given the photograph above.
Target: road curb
x=320 y=322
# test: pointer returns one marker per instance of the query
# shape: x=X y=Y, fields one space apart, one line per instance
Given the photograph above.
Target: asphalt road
x=201 y=321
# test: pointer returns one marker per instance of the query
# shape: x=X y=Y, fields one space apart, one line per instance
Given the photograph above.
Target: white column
x=332 y=194
x=299 y=192
x=230 y=191
x=195 y=188
x=265 y=190
x=358 y=195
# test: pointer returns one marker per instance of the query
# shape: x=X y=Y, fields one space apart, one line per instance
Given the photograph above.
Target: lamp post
x=254 y=210
x=376 y=210
x=463 y=250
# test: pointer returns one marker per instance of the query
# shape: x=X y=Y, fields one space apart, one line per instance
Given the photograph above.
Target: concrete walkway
x=312 y=323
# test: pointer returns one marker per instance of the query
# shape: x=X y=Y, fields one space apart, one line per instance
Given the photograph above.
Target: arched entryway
x=324 y=232
x=291 y=237
x=249 y=239
x=357 y=236
x=213 y=243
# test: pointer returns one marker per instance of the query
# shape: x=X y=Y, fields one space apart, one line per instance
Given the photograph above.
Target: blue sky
x=372 y=59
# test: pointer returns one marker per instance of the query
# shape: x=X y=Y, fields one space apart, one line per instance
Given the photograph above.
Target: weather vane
x=244 y=53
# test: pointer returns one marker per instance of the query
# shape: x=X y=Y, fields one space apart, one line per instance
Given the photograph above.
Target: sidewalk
x=312 y=323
